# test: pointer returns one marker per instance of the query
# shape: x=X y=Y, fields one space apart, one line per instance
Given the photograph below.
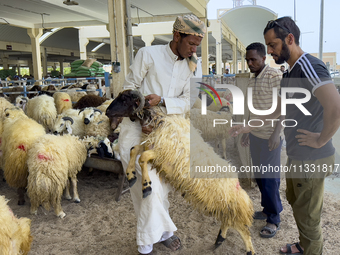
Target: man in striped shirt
x=309 y=146
x=265 y=141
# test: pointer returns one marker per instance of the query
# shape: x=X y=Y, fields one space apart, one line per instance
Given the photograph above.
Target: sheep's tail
x=246 y=209
x=45 y=190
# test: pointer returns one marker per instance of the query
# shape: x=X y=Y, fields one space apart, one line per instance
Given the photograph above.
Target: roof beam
x=71 y=24
x=198 y=7
x=79 y=10
x=156 y=18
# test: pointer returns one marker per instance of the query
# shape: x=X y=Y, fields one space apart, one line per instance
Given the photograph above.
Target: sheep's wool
x=220 y=197
x=15 y=234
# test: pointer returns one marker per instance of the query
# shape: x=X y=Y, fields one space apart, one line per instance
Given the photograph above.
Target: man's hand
x=308 y=138
x=153 y=99
x=239 y=129
x=274 y=141
x=245 y=140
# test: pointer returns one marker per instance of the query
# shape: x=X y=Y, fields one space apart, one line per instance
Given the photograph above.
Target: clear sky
x=307 y=17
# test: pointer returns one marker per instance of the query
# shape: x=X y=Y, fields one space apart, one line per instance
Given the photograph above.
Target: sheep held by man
x=15 y=234
x=20 y=132
x=169 y=149
x=70 y=121
x=52 y=160
x=62 y=101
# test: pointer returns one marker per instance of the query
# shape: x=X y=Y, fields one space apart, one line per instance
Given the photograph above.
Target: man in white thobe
x=162 y=73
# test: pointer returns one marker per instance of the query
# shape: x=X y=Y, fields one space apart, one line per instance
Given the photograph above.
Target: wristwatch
x=161 y=102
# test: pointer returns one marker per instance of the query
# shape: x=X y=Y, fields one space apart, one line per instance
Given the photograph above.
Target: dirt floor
x=99 y=225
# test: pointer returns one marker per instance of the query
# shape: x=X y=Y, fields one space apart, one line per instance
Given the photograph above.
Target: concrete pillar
x=148 y=39
x=35 y=34
x=118 y=42
x=205 y=51
x=44 y=60
x=30 y=67
x=18 y=68
x=83 y=41
x=5 y=63
x=234 y=70
x=61 y=64
x=217 y=36
x=243 y=62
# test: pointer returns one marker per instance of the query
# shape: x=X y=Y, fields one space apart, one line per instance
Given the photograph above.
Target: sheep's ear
x=68 y=127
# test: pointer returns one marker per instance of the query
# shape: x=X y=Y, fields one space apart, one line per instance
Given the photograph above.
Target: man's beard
x=284 y=55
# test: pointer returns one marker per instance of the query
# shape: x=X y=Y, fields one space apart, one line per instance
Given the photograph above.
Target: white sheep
x=20 y=132
x=15 y=234
x=62 y=101
x=51 y=161
x=98 y=125
x=177 y=152
x=42 y=109
x=4 y=103
x=75 y=93
x=70 y=121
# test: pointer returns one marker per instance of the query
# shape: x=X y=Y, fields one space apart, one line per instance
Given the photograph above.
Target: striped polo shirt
x=309 y=73
x=262 y=87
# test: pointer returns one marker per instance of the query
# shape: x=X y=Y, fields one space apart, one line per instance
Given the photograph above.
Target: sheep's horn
x=81 y=110
x=138 y=95
x=68 y=118
x=97 y=110
x=25 y=98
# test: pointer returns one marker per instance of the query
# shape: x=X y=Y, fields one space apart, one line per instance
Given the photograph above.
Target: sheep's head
x=14 y=113
x=127 y=104
x=21 y=102
x=99 y=145
x=63 y=124
x=89 y=114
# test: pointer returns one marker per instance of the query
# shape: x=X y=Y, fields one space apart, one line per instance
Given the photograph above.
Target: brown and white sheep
x=168 y=147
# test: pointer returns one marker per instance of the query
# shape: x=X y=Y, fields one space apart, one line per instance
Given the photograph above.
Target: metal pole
x=129 y=30
x=321 y=31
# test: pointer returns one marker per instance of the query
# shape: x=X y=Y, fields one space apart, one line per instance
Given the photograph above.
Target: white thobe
x=155 y=70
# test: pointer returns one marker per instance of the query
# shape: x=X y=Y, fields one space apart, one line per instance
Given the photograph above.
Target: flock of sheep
x=45 y=142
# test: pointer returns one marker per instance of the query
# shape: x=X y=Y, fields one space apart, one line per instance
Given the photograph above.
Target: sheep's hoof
x=132 y=181
x=250 y=253
x=61 y=215
x=76 y=200
x=147 y=191
x=35 y=212
x=68 y=197
x=21 y=202
x=219 y=240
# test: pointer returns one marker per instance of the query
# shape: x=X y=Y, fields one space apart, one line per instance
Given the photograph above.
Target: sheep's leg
x=222 y=235
x=143 y=162
x=57 y=208
x=21 y=193
x=67 y=190
x=75 y=190
x=245 y=234
x=131 y=169
x=34 y=206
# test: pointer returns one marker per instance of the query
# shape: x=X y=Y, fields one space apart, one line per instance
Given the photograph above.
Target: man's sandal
x=170 y=240
x=272 y=232
x=289 y=249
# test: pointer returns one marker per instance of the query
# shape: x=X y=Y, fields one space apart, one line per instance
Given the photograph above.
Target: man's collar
x=260 y=74
x=171 y=54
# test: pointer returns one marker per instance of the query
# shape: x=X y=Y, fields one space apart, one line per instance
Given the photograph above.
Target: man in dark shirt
x=311 y=126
